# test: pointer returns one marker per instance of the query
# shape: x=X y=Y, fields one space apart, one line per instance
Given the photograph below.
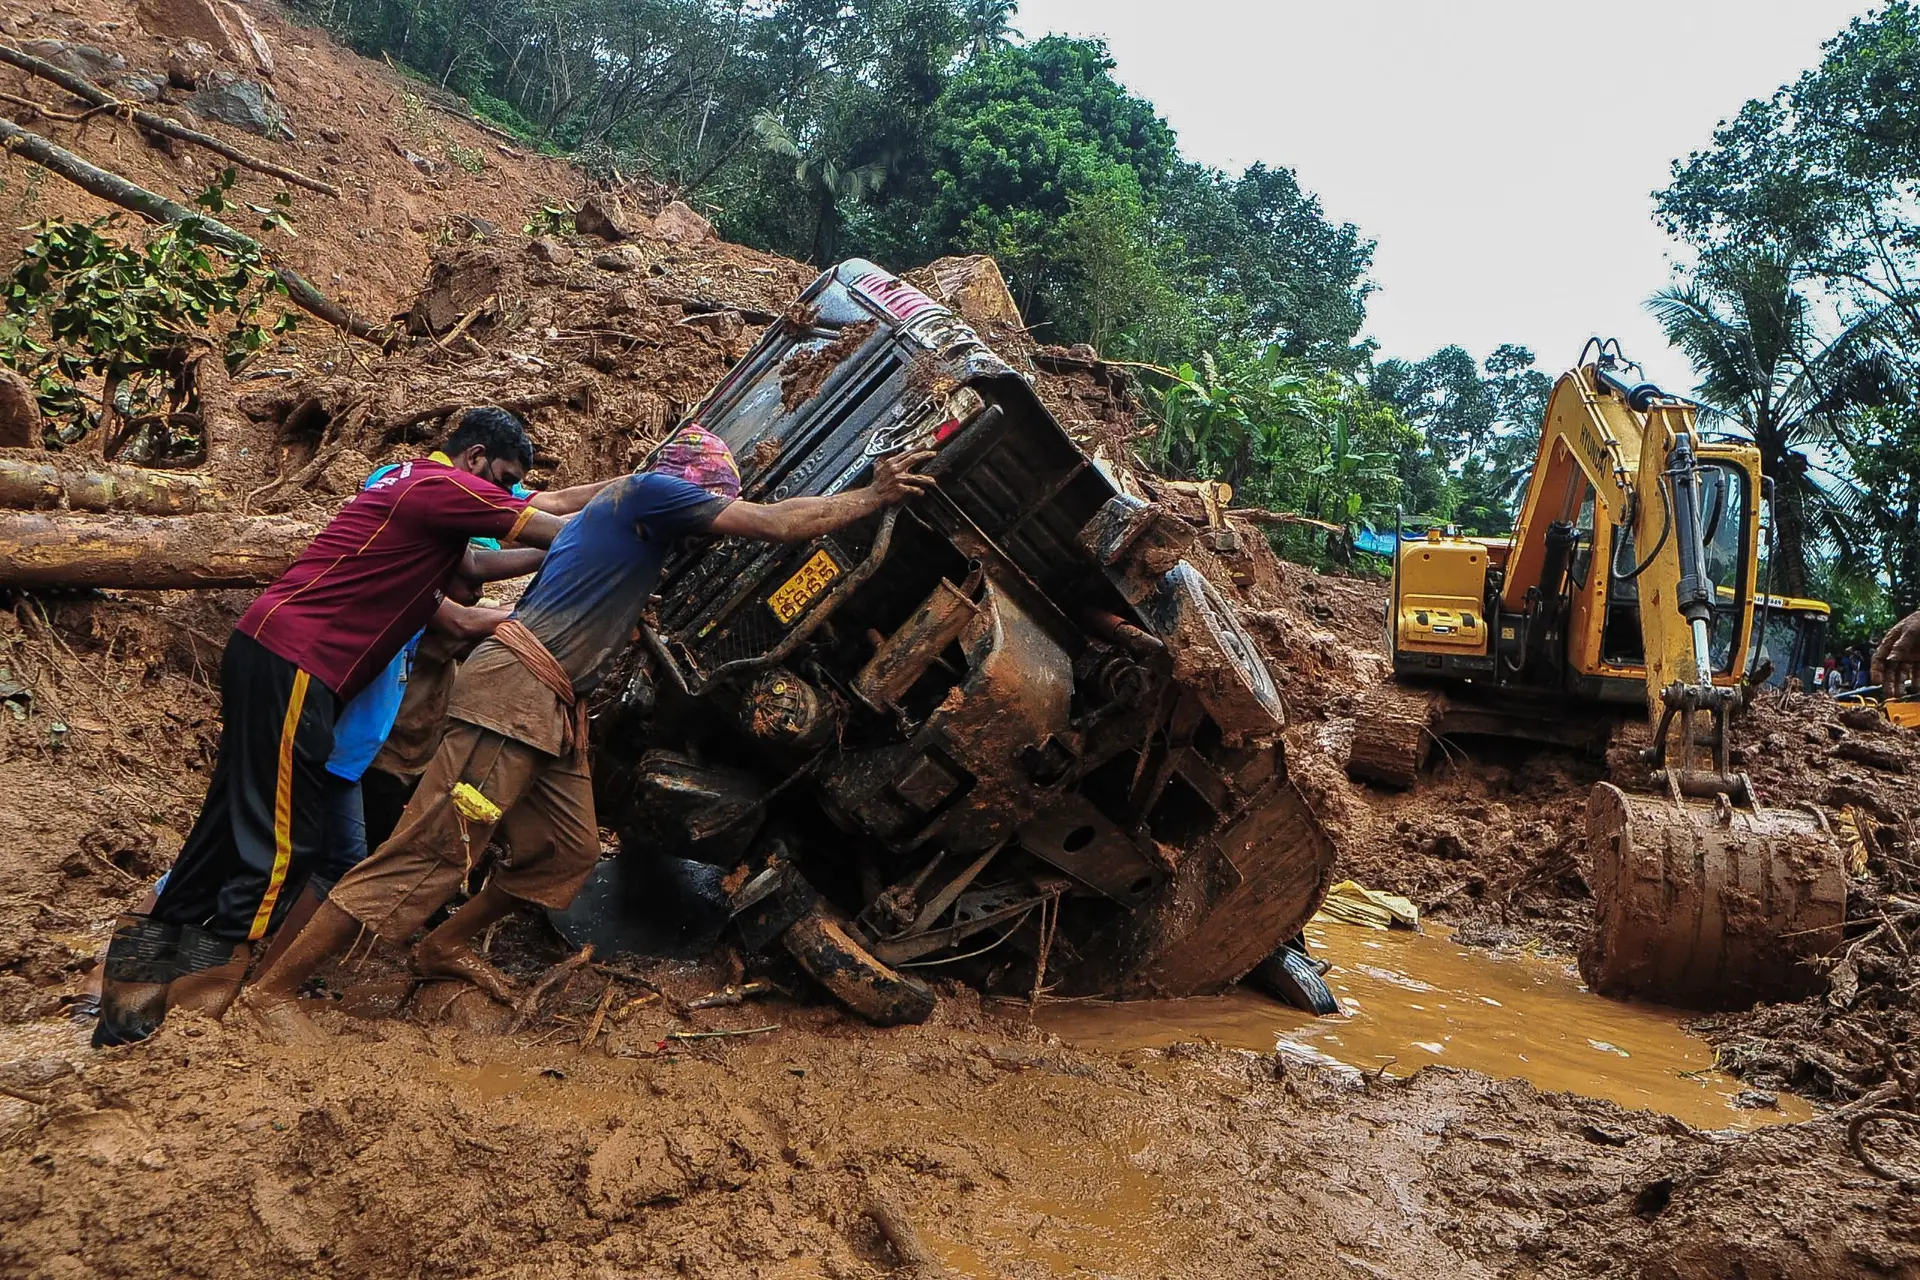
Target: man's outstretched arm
x=798 y=519
x=564 y=502
x=482 y=565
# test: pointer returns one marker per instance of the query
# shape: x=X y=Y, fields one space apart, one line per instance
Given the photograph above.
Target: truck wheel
x=1289 y=975
x=1213 y=652
x=848 y=970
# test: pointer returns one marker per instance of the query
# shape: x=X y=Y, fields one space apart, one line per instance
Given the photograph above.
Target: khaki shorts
x=548 y=828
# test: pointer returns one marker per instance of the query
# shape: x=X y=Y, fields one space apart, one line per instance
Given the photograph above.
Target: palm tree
x=989 y=23
x=1767 y=371
x=829 y=181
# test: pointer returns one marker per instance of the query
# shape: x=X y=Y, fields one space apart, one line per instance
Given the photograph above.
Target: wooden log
x=43 y=481
x=87 y=91
x=115 y=189
x=39 y=549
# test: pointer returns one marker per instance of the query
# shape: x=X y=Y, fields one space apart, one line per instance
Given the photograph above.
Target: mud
x=420 y=1139
x=1410 y=1000
x=807 y=369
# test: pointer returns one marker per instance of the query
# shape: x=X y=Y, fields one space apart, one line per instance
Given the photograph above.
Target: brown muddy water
x=1419 y=999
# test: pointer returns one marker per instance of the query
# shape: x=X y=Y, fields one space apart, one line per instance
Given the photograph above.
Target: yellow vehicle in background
x=1789 y=640
x=1631 y=580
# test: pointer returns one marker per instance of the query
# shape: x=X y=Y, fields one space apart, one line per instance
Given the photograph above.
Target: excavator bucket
x=1707 y=906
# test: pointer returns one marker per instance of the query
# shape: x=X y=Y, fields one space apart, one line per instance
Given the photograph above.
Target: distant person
x=518 y=731
x=312 y=641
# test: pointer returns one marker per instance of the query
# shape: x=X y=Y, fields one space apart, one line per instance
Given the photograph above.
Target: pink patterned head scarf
x=700 y=457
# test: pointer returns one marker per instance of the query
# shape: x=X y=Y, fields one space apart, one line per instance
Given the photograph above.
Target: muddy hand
x=893 y=480
x=1897 y=656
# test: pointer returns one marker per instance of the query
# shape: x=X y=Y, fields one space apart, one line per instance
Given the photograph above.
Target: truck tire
x=832 y=957
x=1290 y=975
x=1213 y=652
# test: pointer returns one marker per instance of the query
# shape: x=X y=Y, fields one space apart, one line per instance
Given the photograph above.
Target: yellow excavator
x=1630 y=581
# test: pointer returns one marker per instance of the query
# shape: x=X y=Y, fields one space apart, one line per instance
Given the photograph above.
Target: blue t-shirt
x=602 y=569
x=362 y=726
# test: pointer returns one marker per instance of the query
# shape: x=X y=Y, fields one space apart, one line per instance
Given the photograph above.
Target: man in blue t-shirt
x=517 y=724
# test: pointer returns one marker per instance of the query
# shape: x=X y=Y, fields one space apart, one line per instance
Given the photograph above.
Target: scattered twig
x=716 y=1035
x=599 y=1016
x=27 y=1096
x=644 y=983
x=459 y=328
x=905 y=1241
x=529 y=1005
x=727 y=997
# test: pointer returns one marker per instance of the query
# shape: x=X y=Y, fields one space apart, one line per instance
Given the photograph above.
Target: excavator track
x=1393 y=733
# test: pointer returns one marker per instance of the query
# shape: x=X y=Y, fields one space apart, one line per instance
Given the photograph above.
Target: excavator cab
x=1631 y=579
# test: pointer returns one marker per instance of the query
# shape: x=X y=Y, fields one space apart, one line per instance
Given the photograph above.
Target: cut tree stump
x=43 y=481
x=146 y=552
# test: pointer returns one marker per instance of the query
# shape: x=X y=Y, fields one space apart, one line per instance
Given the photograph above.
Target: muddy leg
x=448 y=951
x=329 y=931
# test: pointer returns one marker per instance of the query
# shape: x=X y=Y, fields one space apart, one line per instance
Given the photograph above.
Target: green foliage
x=1768 y=371
x=1481 y=428
x=1287 y=437
x=104 y=327
x=552 y=219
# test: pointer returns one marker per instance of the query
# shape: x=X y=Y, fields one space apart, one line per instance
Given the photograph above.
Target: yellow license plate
x=804 y=587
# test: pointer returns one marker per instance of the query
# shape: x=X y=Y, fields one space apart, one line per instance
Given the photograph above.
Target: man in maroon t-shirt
x=313 y=639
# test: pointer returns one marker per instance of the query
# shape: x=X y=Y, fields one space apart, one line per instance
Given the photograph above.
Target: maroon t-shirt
x=374 y=575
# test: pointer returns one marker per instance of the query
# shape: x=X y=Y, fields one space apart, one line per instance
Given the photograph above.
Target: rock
x=605 y=215
x=242 y=103
x=77 y=59
x=548 y=250
x=973 y=287
x=139 y=87
x=414 y=158
x=189 y=64
x=217 y=23
x=20 y=423
x=620 y=258
x=474 y=227
x=456 y=285
x=677 y=224
x=330 y=134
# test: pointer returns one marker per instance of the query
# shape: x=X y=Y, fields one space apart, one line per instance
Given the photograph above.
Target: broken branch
x=115 y=189
x=101 y=100
x=1255 y=515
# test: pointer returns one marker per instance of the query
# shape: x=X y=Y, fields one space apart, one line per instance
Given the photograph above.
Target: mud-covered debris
x=807 y=369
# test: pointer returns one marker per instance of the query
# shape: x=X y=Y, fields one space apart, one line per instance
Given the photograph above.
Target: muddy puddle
x=1418 y=999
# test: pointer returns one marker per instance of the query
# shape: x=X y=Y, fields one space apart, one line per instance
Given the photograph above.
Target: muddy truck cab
x=1003 y=731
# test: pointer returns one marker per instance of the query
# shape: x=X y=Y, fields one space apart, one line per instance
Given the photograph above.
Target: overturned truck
x=1003 y=731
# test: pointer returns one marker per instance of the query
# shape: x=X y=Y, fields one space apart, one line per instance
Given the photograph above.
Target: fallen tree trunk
x=51 y=482
x=146 y=552
x=115 y=189
x=88 y=92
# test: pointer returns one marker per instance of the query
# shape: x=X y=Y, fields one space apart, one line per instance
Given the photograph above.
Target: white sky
x=1501 y=152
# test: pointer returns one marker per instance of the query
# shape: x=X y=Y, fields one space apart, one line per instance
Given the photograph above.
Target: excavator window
x=1723 y=504
x=1582 y=560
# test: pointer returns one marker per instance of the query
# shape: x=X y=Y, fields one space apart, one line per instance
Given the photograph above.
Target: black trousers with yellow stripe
x=260 y=830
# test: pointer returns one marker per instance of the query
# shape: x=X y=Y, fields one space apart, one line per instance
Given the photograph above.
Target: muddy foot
x=280 y=1021
x=464 y=963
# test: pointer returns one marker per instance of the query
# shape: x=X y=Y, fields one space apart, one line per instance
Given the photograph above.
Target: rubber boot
x=211 y=971
x=311 y=896
x=142 y=959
